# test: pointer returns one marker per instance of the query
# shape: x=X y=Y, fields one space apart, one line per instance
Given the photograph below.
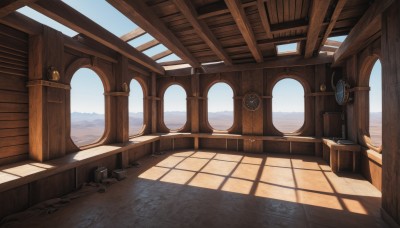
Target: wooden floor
x=208 y=189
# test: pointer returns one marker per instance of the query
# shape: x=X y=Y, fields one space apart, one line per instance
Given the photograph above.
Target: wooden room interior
x=328 y=173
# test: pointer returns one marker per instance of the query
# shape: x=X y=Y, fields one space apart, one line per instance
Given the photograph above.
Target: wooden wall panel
x=277 y=147
x=85 y=173
x=13 y=95
x=14 y=200
x=216 y=144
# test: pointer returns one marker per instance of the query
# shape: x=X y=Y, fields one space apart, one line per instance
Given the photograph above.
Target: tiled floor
x=209 y=189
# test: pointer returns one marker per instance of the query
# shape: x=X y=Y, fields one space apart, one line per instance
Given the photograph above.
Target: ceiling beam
x=172 y=63
x=147 y=45
x=23 y=23
x=333 y=43
x=133 y=34
x=161 y=55
x=317 y=16
x=264 y=18
x=144 y=17
x=236 y=9
x=66 y=15
x=217 y=8
x=368 y=25
x=338 y=9
x=277 y=62
x=201 y=28
x=9 y=6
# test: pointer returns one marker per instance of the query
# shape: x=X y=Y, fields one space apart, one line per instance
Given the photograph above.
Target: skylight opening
x=287 y=49
x=155 y=50
x=104 y=15
x=141 y=40
x=171 y=57
x=35 y=15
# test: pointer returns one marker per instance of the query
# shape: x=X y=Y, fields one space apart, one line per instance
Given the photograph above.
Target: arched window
x=87 y=107
x=135 y=108
x=175 y=107
x=288 y=105
x=375 y=104
x=220 y=106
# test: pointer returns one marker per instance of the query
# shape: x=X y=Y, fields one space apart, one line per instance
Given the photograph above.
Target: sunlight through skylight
x=286 y=48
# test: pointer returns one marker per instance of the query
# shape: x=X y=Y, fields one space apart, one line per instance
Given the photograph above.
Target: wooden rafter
x=172 y=63
x=148 y=45
x=333 y=43
x=289 y=26
x=218 y=8
x=201 y=28
x=237 y=11
x=366 y=27
x=64 y=14
x=22 y=23
x=318 y=12
x=338 y=9
x=143 y=16
x=133 y=34
x=161 y=55
x=9 y=6
x=264 y=18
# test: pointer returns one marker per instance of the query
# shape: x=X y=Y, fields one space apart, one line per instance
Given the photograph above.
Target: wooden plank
x=143 y=16
x=133 y=34
x=333 y=43
x=318 y=12
x=64 y=14
x=22 y=23
x=10 y=107
x=11 y=124
x=237 y=11
x=14 y=140
x=336 y=13
x=13 y=150
x=161 y=55
x=327 y=48
x=367 y=26
x=148 y=45
x=218 y=8
x=264 y=18
x=202 y=30
x=13 y=116
x=171 y=63
x=289 y=26
x=278 y=62
x=9 y=6
x=13 y=97
x=13 y=132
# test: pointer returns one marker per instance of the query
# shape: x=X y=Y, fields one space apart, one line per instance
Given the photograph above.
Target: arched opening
x=288 y=105
x=375 y=104
x=220 y=106
x=87 y=107
x=175 y=107
x=136 y=117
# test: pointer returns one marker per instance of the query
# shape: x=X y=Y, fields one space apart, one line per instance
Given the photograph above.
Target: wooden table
x=335 y=151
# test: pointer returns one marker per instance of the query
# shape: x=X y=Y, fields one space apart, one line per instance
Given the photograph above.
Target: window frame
x=143 y=128
x=162 y=114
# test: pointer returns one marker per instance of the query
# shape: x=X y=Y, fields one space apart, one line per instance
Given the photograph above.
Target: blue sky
x=107 y=16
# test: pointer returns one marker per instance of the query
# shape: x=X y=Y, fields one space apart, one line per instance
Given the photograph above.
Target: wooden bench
x=336 y=149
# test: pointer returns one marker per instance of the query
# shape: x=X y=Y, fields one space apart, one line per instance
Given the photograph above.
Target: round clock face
x=341 y=94
x=251 y=101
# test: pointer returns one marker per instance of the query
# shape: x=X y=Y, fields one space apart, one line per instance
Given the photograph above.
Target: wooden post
x=320 y=78
x=153 y=103
x=194 y=102
x=252 y=81
x=47 y=109
x=391 y=113
x=121 y=98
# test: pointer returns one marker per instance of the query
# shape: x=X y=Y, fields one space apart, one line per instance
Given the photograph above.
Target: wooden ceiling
x=242 y=31
x=205 y=31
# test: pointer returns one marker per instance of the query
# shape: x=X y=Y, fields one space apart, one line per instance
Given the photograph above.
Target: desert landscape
x=87 y=128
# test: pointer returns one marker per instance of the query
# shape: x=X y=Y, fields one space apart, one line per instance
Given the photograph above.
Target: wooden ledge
x=21 y=173
x=372 y=155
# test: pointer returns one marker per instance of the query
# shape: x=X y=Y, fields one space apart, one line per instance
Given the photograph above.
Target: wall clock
x=251 y=101
x=342 y=92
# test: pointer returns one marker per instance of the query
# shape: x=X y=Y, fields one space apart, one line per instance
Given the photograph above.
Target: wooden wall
x=13 y=95
x=259 y=122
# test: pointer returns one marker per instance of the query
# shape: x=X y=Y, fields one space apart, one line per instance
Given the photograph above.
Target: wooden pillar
x=391 y=113
x=121 y=96
x=320 y=78
x=252 y=81
x=194 y=102
x=153 y=103
x=47 y=109
x=351 y=108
